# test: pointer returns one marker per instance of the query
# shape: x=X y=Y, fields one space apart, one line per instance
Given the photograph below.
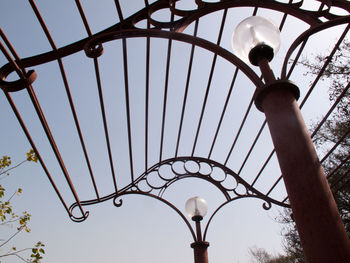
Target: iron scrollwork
x=157 y=179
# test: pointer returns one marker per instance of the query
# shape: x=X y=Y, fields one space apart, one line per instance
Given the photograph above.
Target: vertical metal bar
x=342 y=94
x=43 y=121
x=29 y=138
x=344 y=184
x=339 y=179
x=53 y=143
x=165 y=98
x=88 y=30
x=166 y=85
x=335 y=145
x=252 y=147
x=105 y=124
x=127 y=103
x=263 y=168
x=223 y=111
x=239 y=130
x=66 y=85
x=83 y=17
x=148 y=48
x=42 y=23
x=255 y=11
x=189 y=71
x=295 y=61
x=209 y=82
x=41 y=114
x=338 y=167
x=284 y=18
x=8 y=56
x=119 y=10
x=81 y=138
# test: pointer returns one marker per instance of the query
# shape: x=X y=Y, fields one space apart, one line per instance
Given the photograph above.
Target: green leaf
x=32 y=156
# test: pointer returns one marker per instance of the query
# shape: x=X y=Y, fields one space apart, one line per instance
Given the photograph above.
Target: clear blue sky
x=142 y=229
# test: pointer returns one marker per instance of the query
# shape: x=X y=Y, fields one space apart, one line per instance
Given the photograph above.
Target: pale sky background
x=142 y=229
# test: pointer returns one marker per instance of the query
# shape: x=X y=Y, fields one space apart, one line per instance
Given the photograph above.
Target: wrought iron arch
x=155 y=181
x=127 y=28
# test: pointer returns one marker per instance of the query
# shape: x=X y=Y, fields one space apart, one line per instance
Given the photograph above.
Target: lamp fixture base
x=260 y=51
x=197 y=218
x=261 y=93
x=198 y=244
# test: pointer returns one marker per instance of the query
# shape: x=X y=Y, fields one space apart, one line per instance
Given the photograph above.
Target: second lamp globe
x=196 y=208
x=255 y=37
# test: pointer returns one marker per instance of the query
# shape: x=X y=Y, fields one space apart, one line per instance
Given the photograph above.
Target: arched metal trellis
x=192 y=152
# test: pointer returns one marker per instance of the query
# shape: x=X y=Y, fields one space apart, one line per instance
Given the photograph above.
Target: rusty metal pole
x=322 y=233
x=199 y=246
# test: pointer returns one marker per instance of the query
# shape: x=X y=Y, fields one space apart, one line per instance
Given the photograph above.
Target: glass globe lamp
x=255 y=38
x=196 y=208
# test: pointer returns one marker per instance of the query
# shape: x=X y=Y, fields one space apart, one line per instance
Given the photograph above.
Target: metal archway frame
x=126 y=29
x=231 y=185
x=179 y=20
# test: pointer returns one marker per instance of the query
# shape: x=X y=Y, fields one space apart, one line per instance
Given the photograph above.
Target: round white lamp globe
x=196 y=208
x=255 y=36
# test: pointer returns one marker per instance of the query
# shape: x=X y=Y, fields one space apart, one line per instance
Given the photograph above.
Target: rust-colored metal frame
x=172 y=30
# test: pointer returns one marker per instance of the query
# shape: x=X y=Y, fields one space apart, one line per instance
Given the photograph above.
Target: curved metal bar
x=133 y=33
x=310 y=17
x=158 y=24
x=196 y=174
x=267 y=205
x=217 y=184
x=154 y=190
x=338 y=3
x=20 y=84
x=176 y=11
x=304 y=36
x=162 y=200
x=78 y=219
x=78 y=45
x=62 y=52
x=95 y=51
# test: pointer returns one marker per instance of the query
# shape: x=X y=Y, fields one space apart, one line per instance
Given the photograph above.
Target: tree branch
x=13 y=167
x=15 y=253
x=15 y=234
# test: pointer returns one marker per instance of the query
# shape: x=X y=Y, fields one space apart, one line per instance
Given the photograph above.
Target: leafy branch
x=35 y=257
x=8 y=217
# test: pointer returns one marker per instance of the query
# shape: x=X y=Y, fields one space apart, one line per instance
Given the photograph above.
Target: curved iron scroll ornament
x=157 y=179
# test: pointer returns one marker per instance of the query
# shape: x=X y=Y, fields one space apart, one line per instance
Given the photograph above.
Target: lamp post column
x=315 y=212
x=196 y=209
x=200 y=247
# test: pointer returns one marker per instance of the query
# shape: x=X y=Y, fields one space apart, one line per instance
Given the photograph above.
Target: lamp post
x=320 y=228
x=196 y=208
